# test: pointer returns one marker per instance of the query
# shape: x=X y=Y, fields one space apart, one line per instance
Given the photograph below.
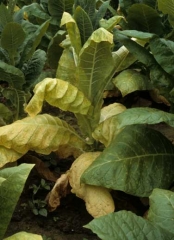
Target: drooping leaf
x=12 y=75
x=161 y=209
x=139 y=115
x=54 y=51
x=163 y=51
x=98 y=200
x=84 y=24
x=128 y=226
x=123 y=59
x=130 y=80
x=8 y=155
x=42 y=133
x=24 y=236
x=5 y=113
x=10 y=190
x=5 y=16
x=33 y=68
x=58 y=7
x=144 y=18
x=60 y=94
x=73 y=31
x=134 y=163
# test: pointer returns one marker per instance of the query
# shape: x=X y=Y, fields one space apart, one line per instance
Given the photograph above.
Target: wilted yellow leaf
x=60 y=94
x=98 y=200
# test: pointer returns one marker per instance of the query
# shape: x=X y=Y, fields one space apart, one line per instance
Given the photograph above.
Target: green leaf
x=12 y=75
x=5 y=113
x=87 y=5
x=57 y=7
x=144 y=18
x=12 y=37
x=54 y=51
x=33 y=68
x=60 y=94
x=5 y=16
x=35 y=13
x=100 y=14
x=138 y=34
x=166 y=6
x=33 y=41
x=66 y=67
x=163 y=51
x=161 y=209
x=126 y=225
x=94 y=57
x=73 y=31
x=24 y=236
x=10 y=191
x=84 y=24
x=134 y=162
x=130 y=80
x=110 y=23
x=108 y=129
x=43 y=212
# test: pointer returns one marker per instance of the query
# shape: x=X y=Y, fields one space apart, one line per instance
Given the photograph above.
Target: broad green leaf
x=32 y=43
x=161 y=210
x=8 y=155
x=100 y=14
x=128 y=226
x=5 y=113
x=166 y=6
x=163 y=52
x=94 y=57
x=73 y=31
x=110 y=23
x=144 y=18
x=54 y=51
x=12 y=75
x=11 y=38
x=138 y=160
x=123 y=59
x=130 y=116
x=27 y=134
x=33 y=68
x=138 y=34
x=66 y=67
x=129 y=81
x=10 y=191
x=60 y=94
x=5 y=16
x=24 y=236
x=35 y=13
x=87 y=5
x=84 y=24
x=57 y=7
x=126 y=4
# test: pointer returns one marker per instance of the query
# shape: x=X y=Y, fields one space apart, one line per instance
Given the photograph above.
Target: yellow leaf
x=98 y=200
x=24 y=236
x=8 y=155
x=60 y=94
x=42 y=133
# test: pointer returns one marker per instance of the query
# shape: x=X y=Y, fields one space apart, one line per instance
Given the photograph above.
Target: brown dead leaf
x=60 y=189
x=40 y=166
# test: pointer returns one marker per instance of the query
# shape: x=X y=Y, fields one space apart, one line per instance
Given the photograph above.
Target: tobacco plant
x=114 y=148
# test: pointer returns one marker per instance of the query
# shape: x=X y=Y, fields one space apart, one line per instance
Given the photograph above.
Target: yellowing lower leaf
x=106 y=131
x=24 y=236
x=98 y=200
x=43 y=134
x=8 y=155
x=60 y=94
